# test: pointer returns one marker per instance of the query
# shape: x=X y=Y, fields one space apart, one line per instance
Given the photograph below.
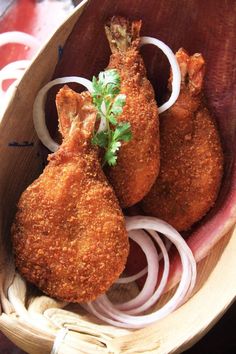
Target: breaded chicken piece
x=191 y=154
x=69 y=233
x=138 y=160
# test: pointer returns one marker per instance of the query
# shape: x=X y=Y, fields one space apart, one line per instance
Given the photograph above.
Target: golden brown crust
x=138 y=160
x=69 y=233
x=191 y=154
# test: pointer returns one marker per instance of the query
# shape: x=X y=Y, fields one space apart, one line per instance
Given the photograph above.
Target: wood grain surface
x=198 y=26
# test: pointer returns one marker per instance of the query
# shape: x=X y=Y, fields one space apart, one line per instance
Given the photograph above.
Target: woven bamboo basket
x=34 y=322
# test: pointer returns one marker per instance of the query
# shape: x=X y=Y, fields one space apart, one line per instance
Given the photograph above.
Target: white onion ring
x=14 y=70
x=38 y=109
x=145 y=242
x=105 y=310
x=20 y=38
x=8 y=75
x=176 y=81
x=18 y=64
x=39 y=121
x=7 y=96
x=159 y=290
x=131 y=278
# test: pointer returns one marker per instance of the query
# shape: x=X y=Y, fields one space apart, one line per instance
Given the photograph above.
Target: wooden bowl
x=31 y=321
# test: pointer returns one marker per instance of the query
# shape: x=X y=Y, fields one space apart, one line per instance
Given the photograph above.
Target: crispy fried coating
x=191 y=154
x=69 y=233
x=138 y=160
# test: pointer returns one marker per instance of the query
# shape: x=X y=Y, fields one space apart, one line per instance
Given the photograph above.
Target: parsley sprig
x=109 y=103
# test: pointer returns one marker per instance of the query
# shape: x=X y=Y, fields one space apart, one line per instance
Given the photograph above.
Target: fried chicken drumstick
x=69 y=233
x=138 y=160
x=191 y=154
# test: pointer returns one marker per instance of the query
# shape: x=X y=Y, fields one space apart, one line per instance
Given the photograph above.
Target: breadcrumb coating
x=69 y=233
x=191 y=154
x=138 y=160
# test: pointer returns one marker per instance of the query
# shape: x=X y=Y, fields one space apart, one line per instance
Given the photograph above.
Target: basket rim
x=159 y=335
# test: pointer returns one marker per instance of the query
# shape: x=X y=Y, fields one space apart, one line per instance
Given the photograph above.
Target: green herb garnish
x=109 y=103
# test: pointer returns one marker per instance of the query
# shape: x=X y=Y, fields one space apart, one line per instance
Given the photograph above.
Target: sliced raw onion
x=14 y=70
x=6 y=97
x=125 y=315
x=133 y=307
x=39 y=108
x=8 y=75
x=176 y=81
x=39 y=116
x=130 y=279
x=148 y=247
x=18 y=64
x=20 y=38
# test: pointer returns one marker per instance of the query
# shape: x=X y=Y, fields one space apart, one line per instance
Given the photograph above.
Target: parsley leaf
x=109 y=103
x=110 y=158
x=122 y=132
x=118 y=104
x=100 y=139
